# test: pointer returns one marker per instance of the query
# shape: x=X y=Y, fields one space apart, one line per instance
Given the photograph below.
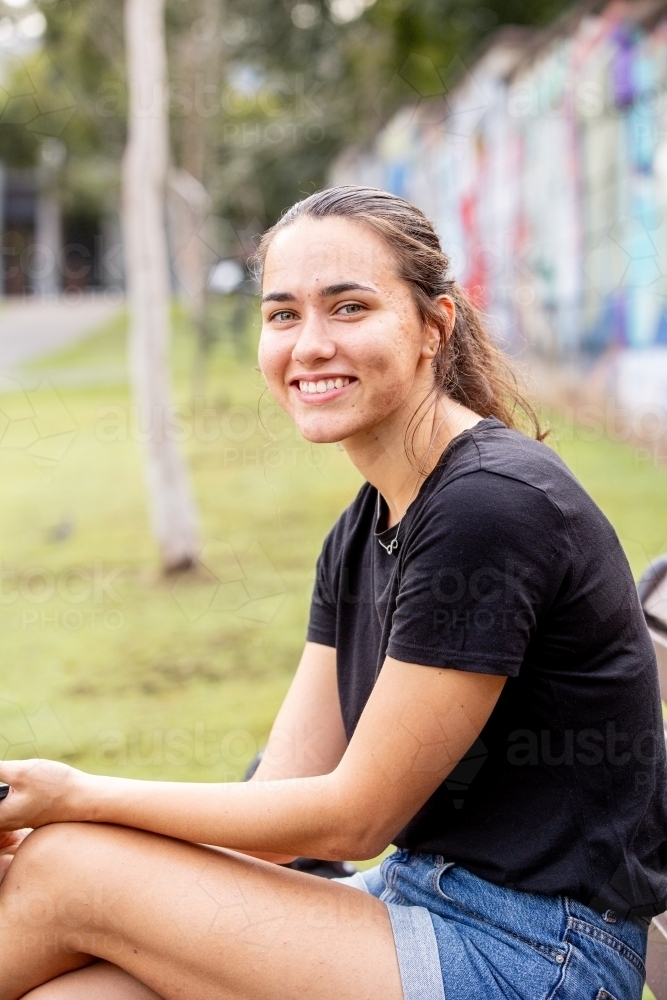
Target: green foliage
x=259 y=105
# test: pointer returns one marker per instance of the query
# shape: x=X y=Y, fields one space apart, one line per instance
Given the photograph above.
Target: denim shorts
x=459 y=937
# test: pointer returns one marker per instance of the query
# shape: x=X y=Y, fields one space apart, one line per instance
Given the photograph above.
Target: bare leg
x=101 y=981
x=186 y=921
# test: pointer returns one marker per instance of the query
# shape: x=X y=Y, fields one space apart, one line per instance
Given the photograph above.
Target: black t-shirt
x=506 y=566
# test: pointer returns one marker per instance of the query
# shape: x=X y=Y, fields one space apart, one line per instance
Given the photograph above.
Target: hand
x=41 y=792
x=9 y=844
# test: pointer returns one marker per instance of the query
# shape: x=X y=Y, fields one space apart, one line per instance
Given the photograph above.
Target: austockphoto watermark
x=234 y=428
x=73 y=585
x=641 y=425
x=485 y=597
x=274 y=133
x=37 y=909
x=587 y=747
x=494 y=598
x=38 y=261
x=180 y=422
x=588 y=98
x=529 y=96
x=178 y=746
x=293 y=95
x=273 y=457
x=72 y=620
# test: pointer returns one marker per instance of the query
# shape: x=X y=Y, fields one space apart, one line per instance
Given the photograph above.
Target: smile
x=318 y=391
x=323 y=385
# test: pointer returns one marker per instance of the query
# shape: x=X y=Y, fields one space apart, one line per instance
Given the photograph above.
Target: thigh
x=101 y=981
x=188 y=921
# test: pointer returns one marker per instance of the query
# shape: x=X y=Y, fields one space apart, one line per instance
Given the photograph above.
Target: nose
x=314 y=342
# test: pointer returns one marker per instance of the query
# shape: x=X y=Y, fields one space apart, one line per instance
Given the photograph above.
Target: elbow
x=356 y=842
x=355 y=830
x=367 y=852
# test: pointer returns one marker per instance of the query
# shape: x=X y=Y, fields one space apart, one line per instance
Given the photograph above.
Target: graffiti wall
x=545 y=171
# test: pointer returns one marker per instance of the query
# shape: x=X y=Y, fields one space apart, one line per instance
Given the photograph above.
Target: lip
x=317 y=398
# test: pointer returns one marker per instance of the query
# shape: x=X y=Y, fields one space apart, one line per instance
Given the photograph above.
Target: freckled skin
x=383 y=343
x=375 y=336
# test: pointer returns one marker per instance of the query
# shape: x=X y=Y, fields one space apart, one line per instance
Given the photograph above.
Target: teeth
x=323 y=385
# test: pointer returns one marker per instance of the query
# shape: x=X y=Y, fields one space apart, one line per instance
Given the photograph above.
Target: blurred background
x=159 y=517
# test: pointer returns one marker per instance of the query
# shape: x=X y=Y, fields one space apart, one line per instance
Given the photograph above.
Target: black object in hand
x=4 y=791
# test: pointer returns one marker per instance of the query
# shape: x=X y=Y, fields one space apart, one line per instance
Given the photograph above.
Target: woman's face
x=343 y=348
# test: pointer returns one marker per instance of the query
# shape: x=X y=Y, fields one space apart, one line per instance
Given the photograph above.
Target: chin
x=324 y=432
x=321 y=436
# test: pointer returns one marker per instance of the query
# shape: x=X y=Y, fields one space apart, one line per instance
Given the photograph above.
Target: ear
x=433 y=333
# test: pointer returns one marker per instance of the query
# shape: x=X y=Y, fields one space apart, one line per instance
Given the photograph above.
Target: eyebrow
x=325 y=293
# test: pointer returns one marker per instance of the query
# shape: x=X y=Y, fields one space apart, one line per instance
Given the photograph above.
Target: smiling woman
x=478 y=688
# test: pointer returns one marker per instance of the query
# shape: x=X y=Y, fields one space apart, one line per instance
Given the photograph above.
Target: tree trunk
x=172 y=507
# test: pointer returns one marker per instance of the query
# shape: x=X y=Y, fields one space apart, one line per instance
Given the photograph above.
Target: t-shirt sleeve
x=322 y=621
x=481 y=568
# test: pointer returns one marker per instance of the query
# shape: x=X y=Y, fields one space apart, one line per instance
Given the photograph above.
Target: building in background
x=545 y=170
x=51 y=242
x=48 y=246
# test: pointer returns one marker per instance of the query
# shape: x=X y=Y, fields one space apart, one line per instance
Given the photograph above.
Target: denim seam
x=436 y=875
x=550 y=951
x=391 y=895
x=389 y=870
x=590 y=930
x=386 y=872
x=563 y=969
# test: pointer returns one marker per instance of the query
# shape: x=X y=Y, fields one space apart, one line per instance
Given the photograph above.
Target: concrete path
x=33 y=328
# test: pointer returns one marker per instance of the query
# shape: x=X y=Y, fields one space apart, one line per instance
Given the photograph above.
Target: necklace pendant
x=393 y=545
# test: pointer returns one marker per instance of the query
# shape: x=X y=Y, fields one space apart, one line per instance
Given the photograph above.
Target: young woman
x=478 y=688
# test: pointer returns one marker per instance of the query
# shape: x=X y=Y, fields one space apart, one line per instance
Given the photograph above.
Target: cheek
x=273 y=357
x=394 y=359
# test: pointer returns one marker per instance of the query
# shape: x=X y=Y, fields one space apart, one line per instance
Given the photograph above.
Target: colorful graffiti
x=545 y=171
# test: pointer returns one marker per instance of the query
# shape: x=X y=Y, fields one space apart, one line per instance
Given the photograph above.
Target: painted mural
x=545 y=170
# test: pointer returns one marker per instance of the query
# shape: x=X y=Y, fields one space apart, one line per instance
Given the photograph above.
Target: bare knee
x=53 y=876
x=53 y=898
x=48 y=851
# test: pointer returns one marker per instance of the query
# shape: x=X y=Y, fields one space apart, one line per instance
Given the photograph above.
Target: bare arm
x=307 y=737
x=418 y=723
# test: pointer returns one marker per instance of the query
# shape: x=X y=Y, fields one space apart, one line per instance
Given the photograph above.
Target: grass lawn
x=105 y=664
x=116 y=670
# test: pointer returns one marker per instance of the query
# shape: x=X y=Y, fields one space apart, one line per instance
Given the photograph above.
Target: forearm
x=299 y=816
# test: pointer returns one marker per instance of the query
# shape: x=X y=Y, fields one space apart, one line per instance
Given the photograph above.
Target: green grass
x=152 y=677
x=629 y=482
x=181 y=678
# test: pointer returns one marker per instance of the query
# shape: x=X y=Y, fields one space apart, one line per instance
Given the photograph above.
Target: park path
x=33 y=328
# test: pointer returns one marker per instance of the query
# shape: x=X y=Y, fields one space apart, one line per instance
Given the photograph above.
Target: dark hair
x=468 y=366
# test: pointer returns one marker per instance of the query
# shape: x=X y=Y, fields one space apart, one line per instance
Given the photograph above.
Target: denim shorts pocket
x=552 y=949
x=577 y=926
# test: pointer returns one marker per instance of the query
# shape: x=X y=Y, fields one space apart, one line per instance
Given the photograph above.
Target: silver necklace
x=393 y=544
